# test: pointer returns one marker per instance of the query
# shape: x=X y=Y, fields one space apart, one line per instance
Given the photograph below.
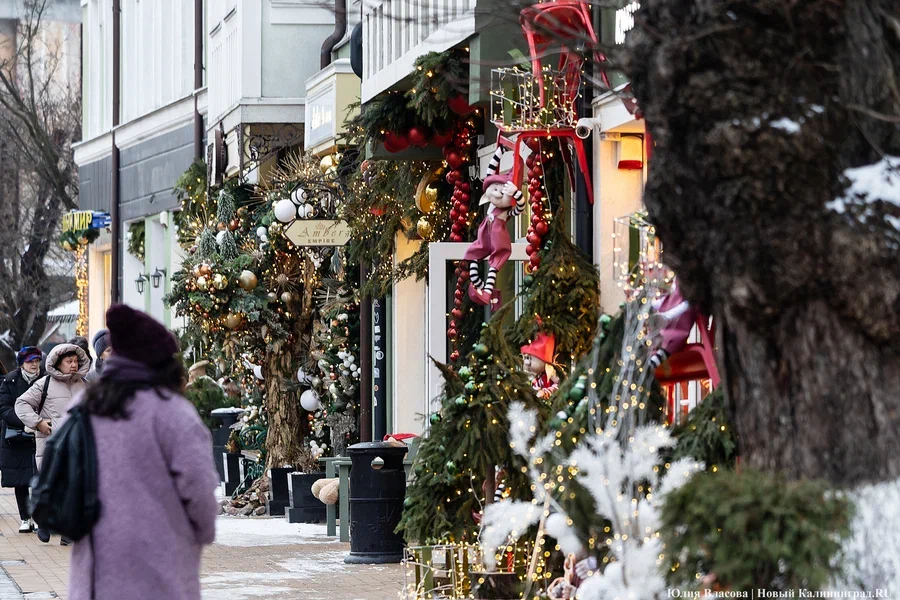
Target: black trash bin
x=226 y=417
x=377 y=489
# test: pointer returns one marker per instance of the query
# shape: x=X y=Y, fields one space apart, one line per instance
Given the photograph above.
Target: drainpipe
x=198 y=78
x=340 y=28
x=116 y=225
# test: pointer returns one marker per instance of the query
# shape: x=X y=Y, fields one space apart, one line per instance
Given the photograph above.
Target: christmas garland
x=136 y=234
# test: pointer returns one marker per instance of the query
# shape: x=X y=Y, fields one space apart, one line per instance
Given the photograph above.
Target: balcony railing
x=396 y=32
x=225 y=66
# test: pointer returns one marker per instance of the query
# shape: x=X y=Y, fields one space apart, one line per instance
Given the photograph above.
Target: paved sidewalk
x=251 y=559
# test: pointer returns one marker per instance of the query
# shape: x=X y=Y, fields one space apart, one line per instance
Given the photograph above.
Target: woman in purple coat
x=156 y=475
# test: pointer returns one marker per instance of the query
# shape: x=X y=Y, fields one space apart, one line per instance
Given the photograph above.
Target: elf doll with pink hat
x=492 y=242
x=537 y=359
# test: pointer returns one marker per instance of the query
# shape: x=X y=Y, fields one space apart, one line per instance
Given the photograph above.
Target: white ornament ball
x=261 y=232
x=351 y=359
x=301 y=375
x=284 y=211
x=220 y=238
x=342 y=355
x=562 y=415
x=298 y=196
x=310 y=402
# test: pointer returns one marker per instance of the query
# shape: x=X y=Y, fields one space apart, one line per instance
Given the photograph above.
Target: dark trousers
x=22 y=501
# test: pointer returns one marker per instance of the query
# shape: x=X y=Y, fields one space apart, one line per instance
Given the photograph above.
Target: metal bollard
x=377 y=489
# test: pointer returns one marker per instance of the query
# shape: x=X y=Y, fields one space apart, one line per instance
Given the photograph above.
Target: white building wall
x=409 y=353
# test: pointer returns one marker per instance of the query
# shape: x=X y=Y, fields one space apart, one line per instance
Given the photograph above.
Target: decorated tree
x=467 y=441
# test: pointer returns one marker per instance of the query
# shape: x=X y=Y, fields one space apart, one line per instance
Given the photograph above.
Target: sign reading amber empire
x=318 y=233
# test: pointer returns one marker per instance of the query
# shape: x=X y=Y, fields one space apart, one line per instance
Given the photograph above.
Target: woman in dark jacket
x=17 y=457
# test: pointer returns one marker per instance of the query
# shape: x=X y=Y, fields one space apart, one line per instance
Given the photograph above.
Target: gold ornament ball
x=326 y=163
x=83 y=241
x=429 y=197
x=202 y=283
x=424 y=228
x=220 y=282
x=272 y=296
x=276 y=228
x=67 y=246
x=286 y=297
x=248 y=280
x=331 y=172
x=233 y=320
x=205 y=270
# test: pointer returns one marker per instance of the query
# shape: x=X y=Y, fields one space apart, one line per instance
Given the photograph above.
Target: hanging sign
x=77 y=220
x=318 y=233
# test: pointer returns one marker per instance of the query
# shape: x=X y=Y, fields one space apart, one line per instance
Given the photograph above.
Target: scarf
x=28 y=377
x=119 y=368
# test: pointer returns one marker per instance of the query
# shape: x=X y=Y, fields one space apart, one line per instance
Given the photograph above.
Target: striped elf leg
x=474 y=276
x=489 y=281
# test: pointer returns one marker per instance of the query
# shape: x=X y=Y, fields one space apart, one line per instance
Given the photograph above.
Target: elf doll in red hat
x=492 y=243
x=537 y=359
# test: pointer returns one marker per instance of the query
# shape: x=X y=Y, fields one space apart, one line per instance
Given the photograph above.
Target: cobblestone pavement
x=252 y=559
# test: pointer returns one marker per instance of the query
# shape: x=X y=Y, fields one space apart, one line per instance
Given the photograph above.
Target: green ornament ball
x=604 y=319
x=451 y=467
x=465 y=373
x=470 y=386
x=528 y=280
x=407 y=502
x=435 y=418
x=555 y=423
x=480 y=350
x=442 y=449
x=460 y=401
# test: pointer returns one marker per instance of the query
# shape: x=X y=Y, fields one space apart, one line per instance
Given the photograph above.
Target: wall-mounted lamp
x=157 y=276
x=139 y=283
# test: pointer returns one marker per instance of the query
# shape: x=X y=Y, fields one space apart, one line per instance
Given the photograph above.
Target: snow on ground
x=273 y=584
x=249 y=532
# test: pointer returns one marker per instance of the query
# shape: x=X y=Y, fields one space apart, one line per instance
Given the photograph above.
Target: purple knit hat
x=138 y=336
x=28 y=353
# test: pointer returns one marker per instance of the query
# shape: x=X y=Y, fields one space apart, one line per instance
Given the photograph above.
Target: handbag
x=12 y=436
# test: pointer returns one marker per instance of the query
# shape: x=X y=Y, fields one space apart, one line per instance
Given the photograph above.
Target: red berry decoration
x=417 y=136
x=456 y=313
x=451 y=333
x=456 y=227
x=454 y=160
x=454 y=214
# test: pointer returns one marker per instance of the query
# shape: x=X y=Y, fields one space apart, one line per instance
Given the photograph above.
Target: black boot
x=64 y=541
x=43 y=535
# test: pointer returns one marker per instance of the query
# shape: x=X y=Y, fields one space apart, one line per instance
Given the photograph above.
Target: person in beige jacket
x=67 y=366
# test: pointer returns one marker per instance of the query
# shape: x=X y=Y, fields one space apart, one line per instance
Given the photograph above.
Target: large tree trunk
x=757 y=108
x=287 y=428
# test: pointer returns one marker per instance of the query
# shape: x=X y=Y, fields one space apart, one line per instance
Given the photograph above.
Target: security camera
x=585 y=127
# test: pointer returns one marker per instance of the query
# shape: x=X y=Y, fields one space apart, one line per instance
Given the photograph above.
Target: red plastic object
x=564 y=22
x=518 y=163
x=695 y=362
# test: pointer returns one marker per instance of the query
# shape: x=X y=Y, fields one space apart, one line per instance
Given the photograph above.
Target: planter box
x=279 y=495
x=304 y=507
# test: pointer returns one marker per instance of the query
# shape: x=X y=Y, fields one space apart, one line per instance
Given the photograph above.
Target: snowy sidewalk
x=251 y=559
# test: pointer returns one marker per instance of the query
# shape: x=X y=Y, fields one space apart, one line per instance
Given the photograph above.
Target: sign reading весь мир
x=318 y=233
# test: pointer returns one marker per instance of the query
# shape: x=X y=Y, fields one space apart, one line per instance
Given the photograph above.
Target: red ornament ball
x=459 y=105
x=441 y=139
x=456 y=313
x=394 y=142
x=533 y=239
x=535 y=260
x=453 y=214
x=454 y=356
x=417 y=136
x=529 y=249
x=541 y=228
